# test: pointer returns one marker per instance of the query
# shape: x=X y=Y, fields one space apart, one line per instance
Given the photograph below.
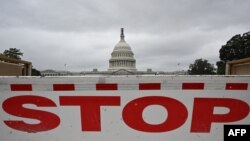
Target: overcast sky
x=83 y=33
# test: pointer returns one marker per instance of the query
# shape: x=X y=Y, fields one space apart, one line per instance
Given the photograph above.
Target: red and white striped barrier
x=115 y=86
x=142 y=108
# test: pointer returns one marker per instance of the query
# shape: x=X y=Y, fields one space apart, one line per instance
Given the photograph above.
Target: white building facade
x=122 y=57
x=122 y=62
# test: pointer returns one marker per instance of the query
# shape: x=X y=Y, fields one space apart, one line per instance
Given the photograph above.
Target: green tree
x=35 y=72
x=237 y=47
x=13 y=53
x=201 y=67
x=221 y=65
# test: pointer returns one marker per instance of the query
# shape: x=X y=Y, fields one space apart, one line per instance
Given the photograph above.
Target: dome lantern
x=122 y=35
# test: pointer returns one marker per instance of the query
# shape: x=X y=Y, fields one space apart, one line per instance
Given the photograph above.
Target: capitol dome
x=122 y=57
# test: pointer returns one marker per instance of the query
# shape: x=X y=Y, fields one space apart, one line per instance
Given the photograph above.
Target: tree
x=237 y=47
x=201 y=67
x=221 y=65
x=35 y=72
x=13 y=53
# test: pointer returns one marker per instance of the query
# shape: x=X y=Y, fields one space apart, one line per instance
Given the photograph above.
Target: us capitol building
x=122 y=57
x=122 y=62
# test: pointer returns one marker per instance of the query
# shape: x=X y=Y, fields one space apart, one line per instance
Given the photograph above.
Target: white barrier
x=141 y=108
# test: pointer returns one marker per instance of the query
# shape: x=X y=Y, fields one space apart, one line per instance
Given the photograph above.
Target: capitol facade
x=122 y=57
x=122 y=62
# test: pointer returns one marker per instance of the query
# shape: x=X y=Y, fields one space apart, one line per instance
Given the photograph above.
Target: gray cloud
x=82 y=34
